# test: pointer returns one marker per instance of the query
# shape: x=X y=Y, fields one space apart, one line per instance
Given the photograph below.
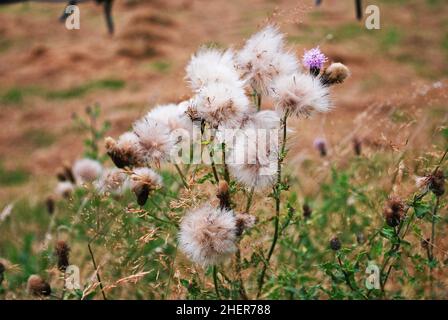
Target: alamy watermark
x=73 y=20
x=372 y=21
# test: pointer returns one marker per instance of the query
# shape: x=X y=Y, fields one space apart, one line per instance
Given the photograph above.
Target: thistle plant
x=220 y=79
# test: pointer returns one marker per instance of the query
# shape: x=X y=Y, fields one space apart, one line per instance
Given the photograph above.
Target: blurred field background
x=395 y=100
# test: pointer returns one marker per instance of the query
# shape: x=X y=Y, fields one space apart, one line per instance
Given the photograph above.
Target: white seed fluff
x=86 y=170
x=222 y=104
x=155 y=140
x=145 y=177
x=212 y=66
x=264 y=57
x=207 y=235
x=300 y=94
x=113 y=181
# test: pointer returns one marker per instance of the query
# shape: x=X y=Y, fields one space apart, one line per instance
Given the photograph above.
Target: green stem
x=276 y=193
x=184 y=182
x=215 y=281
x=226 y=169
x=98 y=276
x=431 y=246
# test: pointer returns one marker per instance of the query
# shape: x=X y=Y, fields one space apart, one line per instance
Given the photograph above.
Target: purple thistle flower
x=314 y=59
x=321 y=145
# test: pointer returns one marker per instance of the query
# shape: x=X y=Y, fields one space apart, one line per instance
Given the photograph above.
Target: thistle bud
x=437 y=183
x=2 y=270
x=223 y=195
x=144 y=181
x=321 y=145
x=360 y=238
x=37 y=286
x=124 y=152
x=142 y=193
x=67 y=169
x=244 y=221
x=335 y=244
x=49 y=203
x=334 y=74
x=115 y=155
x=394 y=211
x=62 y=251
x=357 y=146
x=425 y=243
x=307 y=211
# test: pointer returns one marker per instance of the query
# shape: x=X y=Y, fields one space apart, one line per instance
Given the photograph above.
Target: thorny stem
x=97 y=271
x=212 y=161
x=276 y=194
x=226 y=169
x=238 y=253
x=63 y=287
x=432 y=244
x=242 y=289
x=395 y=247
x=347 y=279
x=215 y=281
x=184 y=182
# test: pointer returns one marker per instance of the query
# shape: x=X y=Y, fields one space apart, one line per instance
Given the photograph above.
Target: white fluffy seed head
x=172 y=115
x=86 y=170
x=211 y=66
x=222 y=105
x=252 y=160
x=264 y=57
x=155 y=140
x=300 y=94
x=266 y=119
x=207 y=235
x=64 y=189
x=145 y=177
x=113 y=181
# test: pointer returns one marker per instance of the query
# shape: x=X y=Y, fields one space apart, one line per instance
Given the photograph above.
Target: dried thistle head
x=64 y=189
x=223 y=194
x=208 y=235
x=394 y=211
x=62 y=251
x=434 y=182
x=50 y=204
x=307 y=211
x=334 y=74
x=65 y=173
x=124 y=152
x=335 y=244
x=437 y=183
x=357 y=146
x=143 y=182
x=244 y=221
x=36 y=286
x=86 y=170
x=300 y=94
